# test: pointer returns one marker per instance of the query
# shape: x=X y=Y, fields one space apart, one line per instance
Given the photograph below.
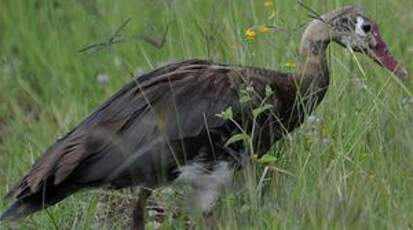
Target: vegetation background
x=349 y=166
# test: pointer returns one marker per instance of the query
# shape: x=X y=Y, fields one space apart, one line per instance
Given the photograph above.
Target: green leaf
x=268 y=91
x=227 y=114
x=266 y=159
x=244 y=99
x=244 y=96
x=256 y=112
x=236 y=138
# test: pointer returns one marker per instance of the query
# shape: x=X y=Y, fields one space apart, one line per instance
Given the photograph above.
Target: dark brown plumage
x=163 y=126
x=141 y=121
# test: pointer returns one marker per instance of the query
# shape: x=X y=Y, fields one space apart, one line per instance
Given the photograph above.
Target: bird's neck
x=312 y=76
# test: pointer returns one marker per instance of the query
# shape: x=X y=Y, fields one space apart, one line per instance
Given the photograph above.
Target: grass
x=348 y=167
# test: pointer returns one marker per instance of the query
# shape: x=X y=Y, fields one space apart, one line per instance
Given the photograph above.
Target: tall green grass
x=348 y=167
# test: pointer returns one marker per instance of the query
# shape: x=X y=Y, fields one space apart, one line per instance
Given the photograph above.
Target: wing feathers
x=174 y=100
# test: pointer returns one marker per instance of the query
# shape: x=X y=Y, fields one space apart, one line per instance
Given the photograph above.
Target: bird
x=175 y=124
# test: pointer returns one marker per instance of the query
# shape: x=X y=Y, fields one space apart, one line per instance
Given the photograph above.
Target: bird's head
x=350 y=28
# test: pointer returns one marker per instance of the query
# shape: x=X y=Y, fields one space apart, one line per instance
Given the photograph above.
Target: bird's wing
x=175 y=102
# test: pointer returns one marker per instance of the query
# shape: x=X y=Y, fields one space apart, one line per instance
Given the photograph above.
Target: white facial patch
x=359 y=25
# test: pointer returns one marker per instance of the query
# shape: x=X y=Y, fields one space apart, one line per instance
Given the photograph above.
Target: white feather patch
x=206 y=185
x=359 y=25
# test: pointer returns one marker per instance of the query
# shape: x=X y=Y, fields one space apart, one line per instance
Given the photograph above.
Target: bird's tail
x=44 y=198
x=20 y=209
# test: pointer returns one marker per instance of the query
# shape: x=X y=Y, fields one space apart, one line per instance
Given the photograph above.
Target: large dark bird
x=163 y=126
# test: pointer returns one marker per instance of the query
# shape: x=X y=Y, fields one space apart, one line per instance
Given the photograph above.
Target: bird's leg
x=138 y=214
x=210 y=220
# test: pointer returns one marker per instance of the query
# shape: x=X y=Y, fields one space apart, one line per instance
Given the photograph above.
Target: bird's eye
x=366 y=28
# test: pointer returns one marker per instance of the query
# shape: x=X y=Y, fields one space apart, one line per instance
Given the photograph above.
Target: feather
x=146 y=130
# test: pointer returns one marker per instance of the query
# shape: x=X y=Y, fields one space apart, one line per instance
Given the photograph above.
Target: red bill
x=381 y=54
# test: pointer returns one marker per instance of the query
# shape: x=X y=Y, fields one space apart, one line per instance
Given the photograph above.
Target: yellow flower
x=268 y=3
x=264 y=29
x=290 y=64
x=250 y=34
